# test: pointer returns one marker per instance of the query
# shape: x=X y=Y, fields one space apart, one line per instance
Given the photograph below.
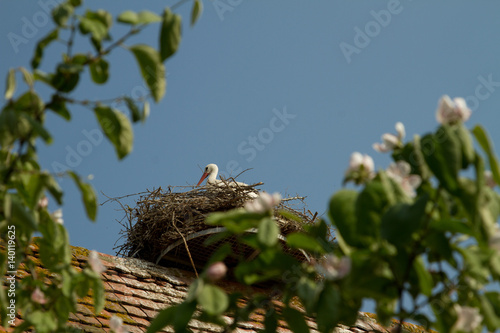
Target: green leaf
x=146 y=17
x=66 y=77
x=40 y=47
x=128 y=17
x=236 y=220
x=268 y=232
x=474 y=263
x=145 y=111
x=16 y=213
x=195 y=289
x=494 y=300
x=4 y=302
x=309 y=290
x=289 y=215
x=371 y=205
x=99 y=71
x=58 y=105
x=116 y=126
x=27 y=76
x=295 y=320
x=98 y=295
x=135 y=113
x=484 y=142
x=88 y=195
x=38 y=129
x=43 y=321
x=30 y=103
x=463 y=135
x=329 y=304
x=342 y=215
x=80 y=59
x=270 y=322
x=152 y=69
x=79 y=283
x=170 y=34
x=487 y=310
x=402 y=220
x=10 y=85
x=196 y=11
x=305 y=242
x=61 y=14
x=44 y=77
x=164 y=318
x=424 y=277
x=177 y=316
x=443 y=154
x=453 y=226
x=213 y=300
x=93 y=26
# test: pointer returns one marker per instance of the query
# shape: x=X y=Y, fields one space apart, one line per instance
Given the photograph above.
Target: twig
x=71 y=36
x=185 y=244
x=243 y=172
x=293 y=198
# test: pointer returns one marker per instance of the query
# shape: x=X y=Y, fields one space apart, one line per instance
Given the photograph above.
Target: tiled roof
x=136 y=290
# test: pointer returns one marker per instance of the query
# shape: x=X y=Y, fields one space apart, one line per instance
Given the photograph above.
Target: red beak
x=202 y=178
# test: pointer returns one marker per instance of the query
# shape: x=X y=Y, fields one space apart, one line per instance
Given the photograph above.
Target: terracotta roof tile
x=135 y=311
x=119 y=288
x=136 y=290
x=150 y=313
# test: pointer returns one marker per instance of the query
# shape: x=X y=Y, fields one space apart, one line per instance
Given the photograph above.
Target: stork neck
x=212 y=176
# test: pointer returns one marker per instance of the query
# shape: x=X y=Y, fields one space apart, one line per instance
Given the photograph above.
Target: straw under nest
x=163 y=217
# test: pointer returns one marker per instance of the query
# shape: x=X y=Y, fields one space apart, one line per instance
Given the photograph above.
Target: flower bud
x=216 y=271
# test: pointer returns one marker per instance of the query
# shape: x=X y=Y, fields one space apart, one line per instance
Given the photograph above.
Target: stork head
x=211 y=170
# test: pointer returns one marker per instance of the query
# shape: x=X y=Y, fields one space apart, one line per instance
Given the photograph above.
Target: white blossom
x=391 y=141
x=467 y=318
x=57 y=216
x=95 y=263
x=452 y=111
x=333 y=267
x=400 y=173
x=489 y=180
x=216 y=271
x=263 y=203
x=361 y=168
x=116 y=324
x=43 y=202
x=38 y=296
x=359 y=161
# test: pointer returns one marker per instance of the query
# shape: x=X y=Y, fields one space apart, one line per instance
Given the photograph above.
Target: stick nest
x=163 y=217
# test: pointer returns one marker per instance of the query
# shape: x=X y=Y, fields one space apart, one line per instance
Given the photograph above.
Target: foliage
x=420 y=239
x=24 y=186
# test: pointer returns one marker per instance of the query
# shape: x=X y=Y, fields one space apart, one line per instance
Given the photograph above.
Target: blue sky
x=268 y=85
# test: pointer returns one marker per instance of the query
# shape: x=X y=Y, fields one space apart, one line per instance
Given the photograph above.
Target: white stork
x=211 y=172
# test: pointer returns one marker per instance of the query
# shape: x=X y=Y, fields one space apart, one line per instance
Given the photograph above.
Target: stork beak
x=202 y=178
